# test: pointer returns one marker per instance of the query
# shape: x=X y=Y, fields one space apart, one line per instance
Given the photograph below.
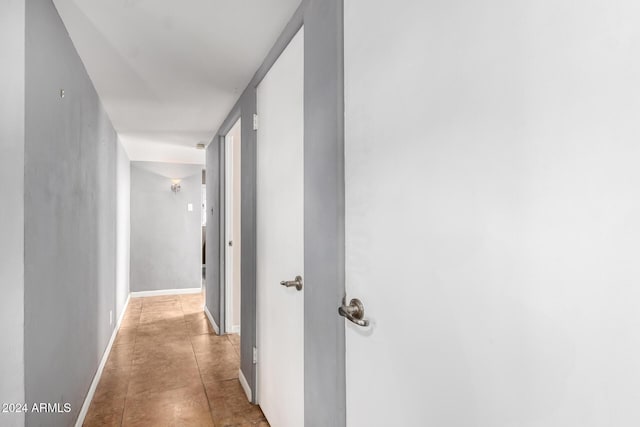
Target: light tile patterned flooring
x=167 y=367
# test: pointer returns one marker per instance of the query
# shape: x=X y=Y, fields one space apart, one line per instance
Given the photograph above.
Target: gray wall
x=324 y=341
x=165 y=237
x=12 y=34
x=248 y=253
x=123 y=228
x=70 y=220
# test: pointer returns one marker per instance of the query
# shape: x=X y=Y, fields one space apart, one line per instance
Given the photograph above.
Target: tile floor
x=167 y=367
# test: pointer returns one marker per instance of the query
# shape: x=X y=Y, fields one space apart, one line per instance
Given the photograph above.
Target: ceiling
x=168 y=72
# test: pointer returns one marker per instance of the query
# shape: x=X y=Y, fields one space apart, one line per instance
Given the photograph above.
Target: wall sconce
x=175 y=186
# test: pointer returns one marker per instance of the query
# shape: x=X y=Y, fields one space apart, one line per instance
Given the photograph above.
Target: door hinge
x=255 y=122
x=255 y=355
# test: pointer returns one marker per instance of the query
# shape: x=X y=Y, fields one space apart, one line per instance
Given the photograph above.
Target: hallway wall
x=165 y=237
x=123 y=228
x=324 y=207
x=70 y=220
x=12 y=206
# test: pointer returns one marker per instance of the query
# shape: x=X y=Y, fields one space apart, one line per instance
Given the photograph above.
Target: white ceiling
x=169 y=71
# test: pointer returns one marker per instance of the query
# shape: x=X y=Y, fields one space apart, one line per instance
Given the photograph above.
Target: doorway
x=280 y=238
x=232 y=222
x=203 y=216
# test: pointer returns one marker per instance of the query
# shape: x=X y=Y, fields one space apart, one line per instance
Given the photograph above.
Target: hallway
x=167 y=367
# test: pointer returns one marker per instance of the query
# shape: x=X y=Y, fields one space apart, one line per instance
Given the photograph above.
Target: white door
x=492 y=213
x=229 y=228
x=280 y=239
x=232 y=228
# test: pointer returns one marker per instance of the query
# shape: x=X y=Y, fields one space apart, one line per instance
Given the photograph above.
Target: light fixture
x=175 y=185
x=200 y=146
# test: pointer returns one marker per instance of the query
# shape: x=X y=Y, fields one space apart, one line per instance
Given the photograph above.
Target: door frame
x=228 y=197
x=324 y=265
x=243 y=110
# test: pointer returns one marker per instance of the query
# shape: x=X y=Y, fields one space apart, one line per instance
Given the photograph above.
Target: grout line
x=135 y=327
x=199 y=370
x=236 y=350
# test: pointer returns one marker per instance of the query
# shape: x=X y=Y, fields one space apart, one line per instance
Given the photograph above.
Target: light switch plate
x=190 y=207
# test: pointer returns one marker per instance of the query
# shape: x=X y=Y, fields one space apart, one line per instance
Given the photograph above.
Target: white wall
x=123 y=228
x=12 y=104
x=493 y=212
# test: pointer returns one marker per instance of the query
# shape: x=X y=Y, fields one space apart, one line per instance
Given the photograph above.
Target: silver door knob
x=297 y=283
x=354 y=311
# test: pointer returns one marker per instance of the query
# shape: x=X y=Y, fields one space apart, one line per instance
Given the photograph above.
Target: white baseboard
x=103 y=361
x=165 y=292
x=213 y=322
x=245 y=385
x=235 y=329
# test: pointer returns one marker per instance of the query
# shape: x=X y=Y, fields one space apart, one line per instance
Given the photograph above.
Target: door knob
x=297 y=283
x=354 y=311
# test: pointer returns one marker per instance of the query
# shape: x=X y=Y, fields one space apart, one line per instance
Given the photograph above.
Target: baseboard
x=103 y=361
x=235 y=329
x=214 y=325
x=245 y=385
x=165 y=292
